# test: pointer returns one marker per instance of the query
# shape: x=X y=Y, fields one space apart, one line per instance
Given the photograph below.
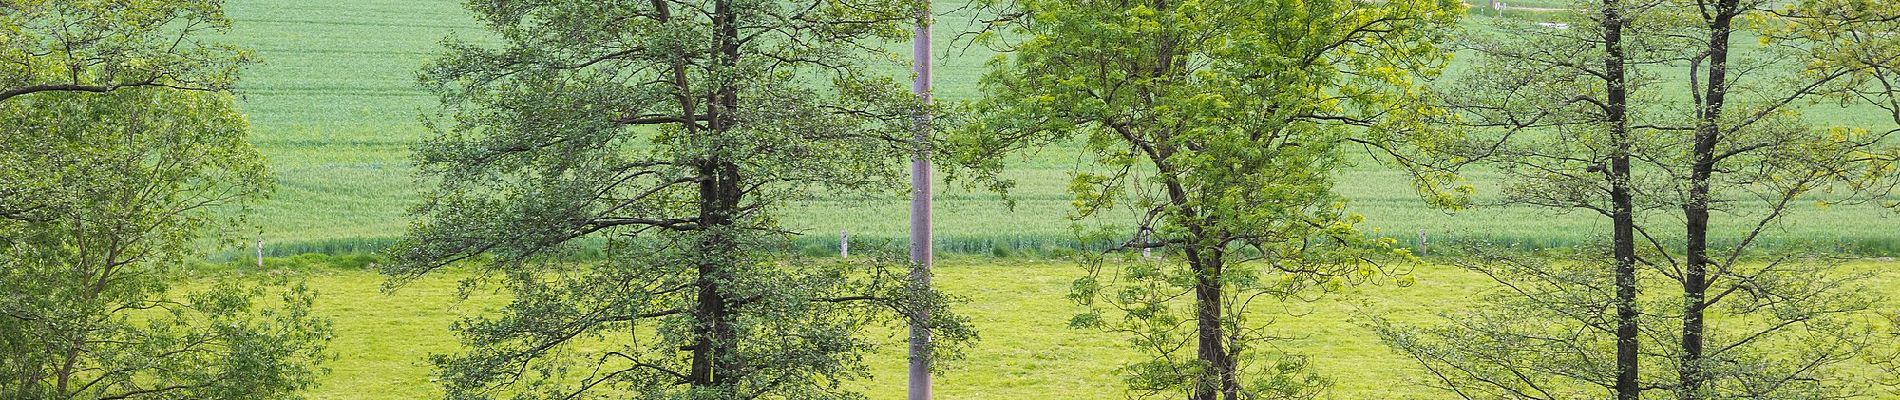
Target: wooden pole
x=844 y=244
x=920 y=181
x=260 y=253
x=1147 y=243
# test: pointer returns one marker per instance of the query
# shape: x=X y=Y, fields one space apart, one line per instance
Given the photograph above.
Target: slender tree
x=1550 y=108
x=1750 y=143
x=665 y=134
x=1217 y=124
x=1715 y=314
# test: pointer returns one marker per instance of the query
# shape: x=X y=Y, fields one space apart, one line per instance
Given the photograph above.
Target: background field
x=335 y=108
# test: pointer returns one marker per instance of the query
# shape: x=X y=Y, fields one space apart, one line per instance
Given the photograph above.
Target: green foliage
x=668 y=136
x=1218 y=126
x=1718 y=160
x=103 y=45
x=125 y=187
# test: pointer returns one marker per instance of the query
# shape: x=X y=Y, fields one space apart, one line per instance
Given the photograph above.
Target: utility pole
x=920 y=192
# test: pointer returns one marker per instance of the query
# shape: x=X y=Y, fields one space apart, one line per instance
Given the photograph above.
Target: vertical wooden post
x=844 y=244
x=920 y=181
x=260 y=253
x=1421 y=243
x=1147 y=240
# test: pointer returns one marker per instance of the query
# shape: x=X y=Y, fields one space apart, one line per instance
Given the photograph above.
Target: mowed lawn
x=1026 y=351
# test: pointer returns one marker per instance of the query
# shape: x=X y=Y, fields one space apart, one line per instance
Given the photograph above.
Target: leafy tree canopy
x=1217 y=125
x=135 y=182
x=667 y=135
x=102 y=45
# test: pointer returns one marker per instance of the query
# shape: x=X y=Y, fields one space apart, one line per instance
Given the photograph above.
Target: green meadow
x=335 y=107
x=1026 y=351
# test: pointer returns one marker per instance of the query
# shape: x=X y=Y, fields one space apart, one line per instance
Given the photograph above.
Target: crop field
x=335 y=107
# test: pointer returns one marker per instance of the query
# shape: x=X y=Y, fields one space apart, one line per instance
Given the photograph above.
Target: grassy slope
x=336 y=107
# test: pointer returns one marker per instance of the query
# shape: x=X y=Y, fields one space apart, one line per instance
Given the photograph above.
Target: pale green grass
x=1026 y=351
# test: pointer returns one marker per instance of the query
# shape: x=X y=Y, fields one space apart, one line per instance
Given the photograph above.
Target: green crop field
x=335 y=107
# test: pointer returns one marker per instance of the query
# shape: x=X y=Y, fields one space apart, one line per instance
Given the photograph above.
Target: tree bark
x=715 y=362
x=1219 y=380
x=1623 y=210
x=1696 y=209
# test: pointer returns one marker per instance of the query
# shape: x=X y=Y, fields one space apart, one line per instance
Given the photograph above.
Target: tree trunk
x=715 y=363
x=1696 y=210
x=1218 y=381
x=1623 y=210
x=715 y=360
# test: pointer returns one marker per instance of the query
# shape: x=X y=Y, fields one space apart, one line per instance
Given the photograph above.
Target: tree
x=103 y=45
x=665 y=134
x=1573 y=86
x=1217 y=125
x=1751 y=143
x=119 y=160
x=1581 y=119
x=143 y=178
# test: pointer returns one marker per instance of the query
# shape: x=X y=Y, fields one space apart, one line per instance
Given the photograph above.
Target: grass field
x=335 y=107
x=1026 y=351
